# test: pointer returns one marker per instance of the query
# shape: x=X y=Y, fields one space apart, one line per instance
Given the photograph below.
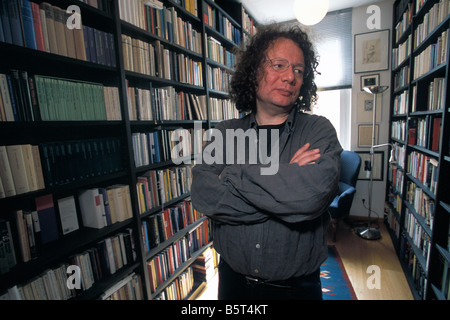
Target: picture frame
x=372 y=51
x=365 y=135
x=365 y=108
x=370 y=80
x=377 y=166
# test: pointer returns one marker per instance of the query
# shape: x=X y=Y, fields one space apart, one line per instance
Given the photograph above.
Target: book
x=68 y=214
x=92 y=208
x=18 y=168
x=47 y=218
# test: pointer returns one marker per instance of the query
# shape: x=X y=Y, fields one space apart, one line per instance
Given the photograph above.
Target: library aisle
x=357 y=255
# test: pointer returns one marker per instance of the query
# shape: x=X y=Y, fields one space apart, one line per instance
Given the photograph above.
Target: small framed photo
x=377 y=166
x=365 y=135
x=370 y=80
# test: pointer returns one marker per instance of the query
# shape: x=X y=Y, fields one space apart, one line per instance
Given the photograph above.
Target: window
x=335 y=105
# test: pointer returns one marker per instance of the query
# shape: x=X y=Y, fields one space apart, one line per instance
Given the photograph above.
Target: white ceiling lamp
x=310 y=12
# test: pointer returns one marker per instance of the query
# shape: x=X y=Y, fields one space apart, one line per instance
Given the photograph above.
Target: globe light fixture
x=310 y=12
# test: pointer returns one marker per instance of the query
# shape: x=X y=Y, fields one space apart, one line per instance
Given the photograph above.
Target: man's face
x=281 y=76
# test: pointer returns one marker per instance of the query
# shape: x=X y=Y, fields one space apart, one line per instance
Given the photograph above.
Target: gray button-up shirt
x=273 y=226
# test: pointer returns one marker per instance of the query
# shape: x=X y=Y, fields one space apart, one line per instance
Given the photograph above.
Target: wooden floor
x=357 y=255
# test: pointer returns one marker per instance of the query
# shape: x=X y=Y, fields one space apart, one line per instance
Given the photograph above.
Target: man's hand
x=303 y=156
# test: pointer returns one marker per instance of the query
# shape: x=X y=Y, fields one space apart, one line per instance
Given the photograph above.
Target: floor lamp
x=368 y=232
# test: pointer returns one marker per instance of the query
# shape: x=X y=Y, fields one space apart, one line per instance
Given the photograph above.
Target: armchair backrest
x=350 y=165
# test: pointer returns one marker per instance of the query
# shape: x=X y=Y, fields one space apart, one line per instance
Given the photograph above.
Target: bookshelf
x=94 y=119
x=418 y=211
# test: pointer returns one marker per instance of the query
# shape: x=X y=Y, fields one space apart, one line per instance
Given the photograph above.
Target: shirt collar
x=289 y=121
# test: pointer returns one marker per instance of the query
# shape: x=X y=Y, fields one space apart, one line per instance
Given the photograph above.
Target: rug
x=335 y=282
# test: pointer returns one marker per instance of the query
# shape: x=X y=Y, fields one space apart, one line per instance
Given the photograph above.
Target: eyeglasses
x=281 y=65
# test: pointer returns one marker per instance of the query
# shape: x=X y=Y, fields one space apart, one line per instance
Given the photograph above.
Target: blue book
x=4 y=13
x=14 y=21
x=47 y=218
x=2 y=36
x=28 y=24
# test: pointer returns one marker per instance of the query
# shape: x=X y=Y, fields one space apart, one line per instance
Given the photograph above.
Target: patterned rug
x=335 y=282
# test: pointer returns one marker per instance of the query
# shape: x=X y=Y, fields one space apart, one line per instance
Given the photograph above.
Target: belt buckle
x=253 y=280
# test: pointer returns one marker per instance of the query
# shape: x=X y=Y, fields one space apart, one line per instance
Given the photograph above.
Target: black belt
x=288 y=283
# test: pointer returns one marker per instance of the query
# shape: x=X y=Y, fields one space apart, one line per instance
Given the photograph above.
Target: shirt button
x=256 y=271
x=258 y=246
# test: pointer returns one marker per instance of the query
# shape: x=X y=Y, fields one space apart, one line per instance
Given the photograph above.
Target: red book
x=435 y=135
x=37 y=26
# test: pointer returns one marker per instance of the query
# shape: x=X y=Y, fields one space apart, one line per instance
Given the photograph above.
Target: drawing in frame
x=372 y=51
x=377 y=166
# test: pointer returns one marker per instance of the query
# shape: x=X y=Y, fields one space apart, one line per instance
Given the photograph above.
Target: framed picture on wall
x=377 y=166
x=372 y=51
x=370 y=80
x=365 y=108
x=365 y=135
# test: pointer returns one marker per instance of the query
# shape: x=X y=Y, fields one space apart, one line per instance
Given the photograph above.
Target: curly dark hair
x=244 y=82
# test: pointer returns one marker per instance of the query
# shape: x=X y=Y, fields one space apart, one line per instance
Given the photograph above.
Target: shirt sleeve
x=294 y=194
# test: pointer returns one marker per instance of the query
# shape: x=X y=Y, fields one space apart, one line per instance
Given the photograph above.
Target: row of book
x=401 y=53
x=423 y=168
x=432 y=19
x=20 y=170
x=401 y=78
x=398 y=130
x=396 y=178
x=418 y=235
x=436 y=96
x=404 y=23
x=153 y=59
x=222 y=109
x=160 y=227
x=156 y=187
x=401 y=103
x=50 y=220
x=165 y=145
x=72 y=161
x=248 y=23
x=25 y=97
x=218 y=79
x=80 y=272
x=399 y=154
x=102 y=207
x=416 y=269
x=216 y=20
x=425 y=132
x=434 y=55
x=129 y=288
x=422 y=203
x=180 y=288
x=165 y=263
x=164 y=22
x=164 y=104
x=218 y=53
x=44 y=27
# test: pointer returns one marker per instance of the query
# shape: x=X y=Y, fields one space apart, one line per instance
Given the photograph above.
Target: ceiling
x=265 y=11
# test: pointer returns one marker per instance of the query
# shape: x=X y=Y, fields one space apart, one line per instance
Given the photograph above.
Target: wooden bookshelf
x=115 y=52
x=417 y=196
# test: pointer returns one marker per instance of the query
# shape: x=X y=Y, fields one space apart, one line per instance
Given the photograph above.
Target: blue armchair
x=340 y=207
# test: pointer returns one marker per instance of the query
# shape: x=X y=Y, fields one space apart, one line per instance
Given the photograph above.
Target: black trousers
x=235 y=286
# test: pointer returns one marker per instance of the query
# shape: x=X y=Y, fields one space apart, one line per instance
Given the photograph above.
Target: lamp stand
x=369 y=233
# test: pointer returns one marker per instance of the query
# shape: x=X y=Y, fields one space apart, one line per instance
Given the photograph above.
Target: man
x=270 y=229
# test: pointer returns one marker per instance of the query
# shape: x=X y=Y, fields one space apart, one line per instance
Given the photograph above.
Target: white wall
x=359 y=25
